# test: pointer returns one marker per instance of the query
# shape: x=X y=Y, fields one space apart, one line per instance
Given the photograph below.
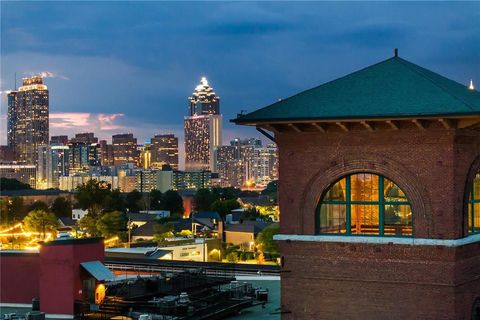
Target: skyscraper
x=27 y=123
x=84 y=151
x=203 y=128
x=164 y=150
x=125 y=149
x=53 y=163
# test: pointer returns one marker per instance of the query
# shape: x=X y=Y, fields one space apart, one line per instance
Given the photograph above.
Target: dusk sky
x=116 y=67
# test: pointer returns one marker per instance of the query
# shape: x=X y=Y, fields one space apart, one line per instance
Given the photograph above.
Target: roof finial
x=395 y=52
x=471 y=86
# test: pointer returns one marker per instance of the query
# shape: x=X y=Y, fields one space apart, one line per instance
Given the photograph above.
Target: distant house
x=78 y=214
x=66 y=224
x=145 y=231
x=244 y=234
x=207 y=223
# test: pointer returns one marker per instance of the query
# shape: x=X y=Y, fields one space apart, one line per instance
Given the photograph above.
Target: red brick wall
x=434 y=167
x=431 y=166
x=61 y=276
x=360 y=281
x=19 y=273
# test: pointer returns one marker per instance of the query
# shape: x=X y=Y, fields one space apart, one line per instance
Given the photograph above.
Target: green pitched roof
x=393 y=88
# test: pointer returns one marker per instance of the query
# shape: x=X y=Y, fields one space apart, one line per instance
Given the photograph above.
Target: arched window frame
x=474 y=206
x=382 y=202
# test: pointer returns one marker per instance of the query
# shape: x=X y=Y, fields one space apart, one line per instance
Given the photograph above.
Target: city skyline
x=123 y=59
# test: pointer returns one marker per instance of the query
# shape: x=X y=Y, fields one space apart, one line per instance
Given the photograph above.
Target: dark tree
x=271 y=190
x=227 y=193
x=112 y=224
x=12 y=184
x=133 y=201
x=224 y=207
x=204 y=199
x=173 y=202
x=62 y=207
x=92 y=196
x=115 y=201
x=38 y=205
x=155 y=199
x=16 y=209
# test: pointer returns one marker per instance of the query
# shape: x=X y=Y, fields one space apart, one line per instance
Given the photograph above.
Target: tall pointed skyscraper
x=203 y=128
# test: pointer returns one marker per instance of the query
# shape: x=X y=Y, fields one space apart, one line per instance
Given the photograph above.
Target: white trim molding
x=58 y=316
x=15 y=305
x=380 y=240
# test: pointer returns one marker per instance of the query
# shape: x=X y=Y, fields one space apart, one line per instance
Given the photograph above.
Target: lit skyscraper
x=27 y=123
x=53 y=163
x=125 y=149
x=203 y=128
x=164 y=150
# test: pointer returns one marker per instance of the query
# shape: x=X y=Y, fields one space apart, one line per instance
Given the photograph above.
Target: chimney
x=395 y=52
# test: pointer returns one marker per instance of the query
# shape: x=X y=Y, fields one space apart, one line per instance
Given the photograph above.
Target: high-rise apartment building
x=230 y=169
x=85 y=137
x=82 y=155
x=59 y=140
x=25 y=173
x=125 y=149
x=106 y=153
x=53 y=163
x=164 y=150
x=27 y=124
x=203 y=128
x=264 y=165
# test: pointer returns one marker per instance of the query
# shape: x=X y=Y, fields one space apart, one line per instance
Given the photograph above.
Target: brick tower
x=379 y=194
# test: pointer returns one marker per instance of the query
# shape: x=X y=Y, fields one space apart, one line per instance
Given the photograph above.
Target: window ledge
x=380 y=240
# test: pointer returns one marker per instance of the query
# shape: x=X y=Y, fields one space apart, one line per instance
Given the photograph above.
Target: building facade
x=203 y=128
x=22 y=172
x=27 y=123
x=378 y=195
x=53 y=163
x=125 y=149
x=164 y=150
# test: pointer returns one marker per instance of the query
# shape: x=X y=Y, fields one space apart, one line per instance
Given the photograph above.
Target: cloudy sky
x=115 y=67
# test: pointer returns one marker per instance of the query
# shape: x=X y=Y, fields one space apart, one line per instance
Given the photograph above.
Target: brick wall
x=434 y=168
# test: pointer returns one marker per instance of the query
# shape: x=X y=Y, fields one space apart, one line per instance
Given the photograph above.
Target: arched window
x=365 y=204
x=474 y=206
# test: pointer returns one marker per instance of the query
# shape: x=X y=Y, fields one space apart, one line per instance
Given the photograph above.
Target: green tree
x=162 y=231
x=92 y=196
x=12 y=184
x=155 y=199
x=38 y=205
x=172 y=202
x=133 y=201
x=111 y=224
x=40 y=221
x=89 y=224
x=204 y=199
x=115 y=201
x=265 y=239
x=224 y=207
x=16 y=209
x=233 y=257
x=62 y=207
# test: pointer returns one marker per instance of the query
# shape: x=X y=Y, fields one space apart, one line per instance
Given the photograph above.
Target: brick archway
x=407 y=181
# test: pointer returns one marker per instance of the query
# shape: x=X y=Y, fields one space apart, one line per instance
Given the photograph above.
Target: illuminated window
x=365 y=204
x=474 y=206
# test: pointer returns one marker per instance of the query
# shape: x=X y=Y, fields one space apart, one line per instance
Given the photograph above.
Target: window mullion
x=348 y=206
x=381 y=213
